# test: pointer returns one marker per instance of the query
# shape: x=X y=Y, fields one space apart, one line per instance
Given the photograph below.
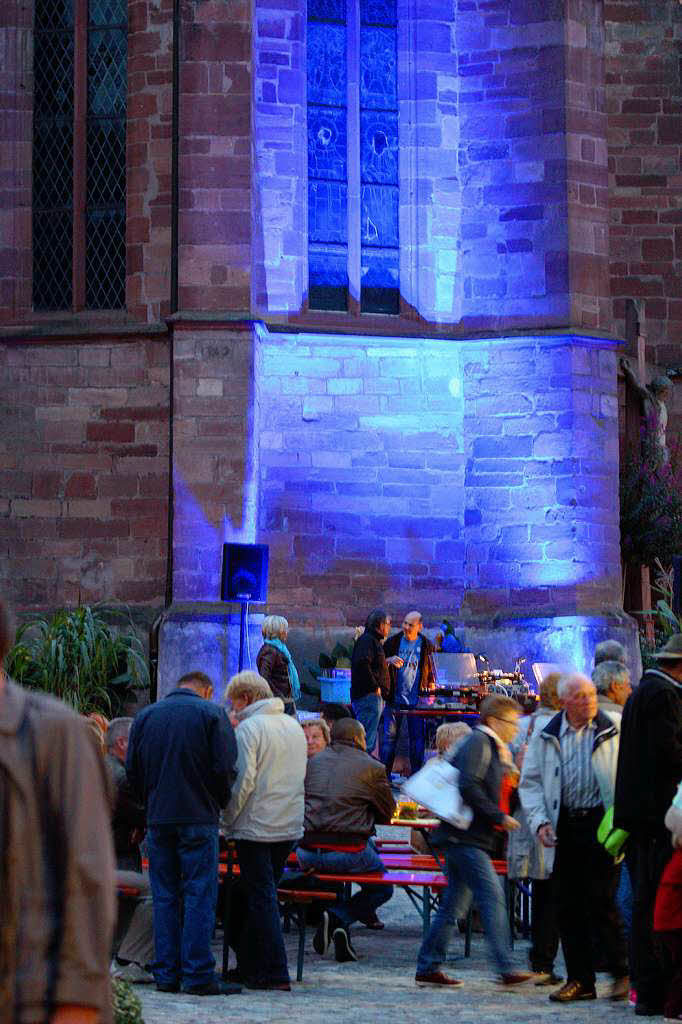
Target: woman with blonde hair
x=275 y=663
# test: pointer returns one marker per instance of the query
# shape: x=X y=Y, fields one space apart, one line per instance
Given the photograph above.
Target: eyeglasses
x=509 y=721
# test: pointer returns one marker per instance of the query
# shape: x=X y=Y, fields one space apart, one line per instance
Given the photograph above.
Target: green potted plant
x=78 y=656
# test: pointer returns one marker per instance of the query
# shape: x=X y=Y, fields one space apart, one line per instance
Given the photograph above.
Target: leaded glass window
x=53 y=109
x=95 y=278
x=337 y=235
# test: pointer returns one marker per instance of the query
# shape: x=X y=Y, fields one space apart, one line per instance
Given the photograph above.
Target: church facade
x=350 y=278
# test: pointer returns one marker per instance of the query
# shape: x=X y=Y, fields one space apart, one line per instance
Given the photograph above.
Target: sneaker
x=342 y=946
x=321 y=936
x=436 y=978
x=168 y=986
x=547 y=978
x=573 y=991
x=132 y=973
x=516 y=978
x=215 y=987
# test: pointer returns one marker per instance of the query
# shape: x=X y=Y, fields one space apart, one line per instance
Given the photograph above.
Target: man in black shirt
x=649 y=770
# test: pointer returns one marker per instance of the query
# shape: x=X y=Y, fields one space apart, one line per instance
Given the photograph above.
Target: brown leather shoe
x=620 y=989
x=436 y=978
x=572 y=991
x=516 y=978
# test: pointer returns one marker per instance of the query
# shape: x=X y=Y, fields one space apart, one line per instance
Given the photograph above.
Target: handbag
x=436 y=787
x=612 y=839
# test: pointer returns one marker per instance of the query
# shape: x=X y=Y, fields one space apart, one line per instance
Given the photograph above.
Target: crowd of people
x=189 y=774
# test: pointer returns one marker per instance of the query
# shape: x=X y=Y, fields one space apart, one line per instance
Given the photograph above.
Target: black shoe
x=342 y=946
x=234 y=974
x=573 y=991
x=168 y=986
x=214 y=987
x=648 y=1010
x=321 y=936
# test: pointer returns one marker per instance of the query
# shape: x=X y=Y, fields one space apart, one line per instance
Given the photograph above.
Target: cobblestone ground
x=381 y=988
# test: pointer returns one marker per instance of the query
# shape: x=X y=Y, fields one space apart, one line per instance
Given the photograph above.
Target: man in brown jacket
x=346 y=793
x=57 y=862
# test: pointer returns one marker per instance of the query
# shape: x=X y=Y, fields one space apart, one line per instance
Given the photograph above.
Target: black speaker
x=677 y=584
x=245 y=572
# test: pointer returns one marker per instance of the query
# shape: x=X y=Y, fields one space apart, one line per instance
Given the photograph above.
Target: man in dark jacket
x=346 y=793
x=369 y=679
x=483 y=759
x=411 y=674
x=649 y=770
x=181 y=761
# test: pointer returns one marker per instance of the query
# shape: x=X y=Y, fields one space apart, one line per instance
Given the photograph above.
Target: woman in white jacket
x=265 y=817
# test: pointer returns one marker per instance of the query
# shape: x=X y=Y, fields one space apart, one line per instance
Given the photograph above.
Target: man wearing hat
x=649 y=770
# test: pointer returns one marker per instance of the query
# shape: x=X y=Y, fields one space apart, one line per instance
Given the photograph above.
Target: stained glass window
x=55 y=234
x=379 y=238
x=376 y=225
x=327 y=155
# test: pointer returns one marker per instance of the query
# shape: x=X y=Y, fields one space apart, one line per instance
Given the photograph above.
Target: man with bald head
x=412 y=673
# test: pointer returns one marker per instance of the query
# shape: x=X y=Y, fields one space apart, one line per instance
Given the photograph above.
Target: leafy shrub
x=127 y=1006
x=77 y=656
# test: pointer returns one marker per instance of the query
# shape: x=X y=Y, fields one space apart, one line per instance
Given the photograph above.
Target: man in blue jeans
x=483 y=760
x=346 y=793
x=181 y=762
x=370 y=682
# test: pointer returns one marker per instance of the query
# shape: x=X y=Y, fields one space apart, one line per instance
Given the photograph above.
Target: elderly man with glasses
x=567 y=783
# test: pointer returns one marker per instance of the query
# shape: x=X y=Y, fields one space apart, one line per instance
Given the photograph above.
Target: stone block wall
x=472 y=478
x=644 y=103
x=83 y=472
x=279 y=283
x=215 y=450
x=215 y=156
x=148 y=156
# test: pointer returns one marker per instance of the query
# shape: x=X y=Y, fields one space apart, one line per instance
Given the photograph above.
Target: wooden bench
x=300 y=899
x=410 y=881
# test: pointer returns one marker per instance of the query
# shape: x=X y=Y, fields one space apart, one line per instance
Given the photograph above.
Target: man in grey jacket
x=567 y=783
x=56 y=864
x=346 y=793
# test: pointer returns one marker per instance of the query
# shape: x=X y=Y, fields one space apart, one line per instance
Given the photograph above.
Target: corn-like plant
x=78 y=656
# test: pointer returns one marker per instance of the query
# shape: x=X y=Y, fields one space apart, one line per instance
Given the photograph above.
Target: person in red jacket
x=668 y=911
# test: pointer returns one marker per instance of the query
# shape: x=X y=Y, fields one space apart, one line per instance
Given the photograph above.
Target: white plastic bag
x=436 y=787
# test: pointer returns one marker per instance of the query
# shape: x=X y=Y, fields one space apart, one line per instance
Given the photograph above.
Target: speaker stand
x=242 y=633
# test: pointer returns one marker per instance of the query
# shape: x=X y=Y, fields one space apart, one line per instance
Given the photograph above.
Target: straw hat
x=672 y=651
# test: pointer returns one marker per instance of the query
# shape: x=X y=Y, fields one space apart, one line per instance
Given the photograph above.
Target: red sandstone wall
x=83 y=472
x=215 y=156
x=149 y=158
x=644 y=103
